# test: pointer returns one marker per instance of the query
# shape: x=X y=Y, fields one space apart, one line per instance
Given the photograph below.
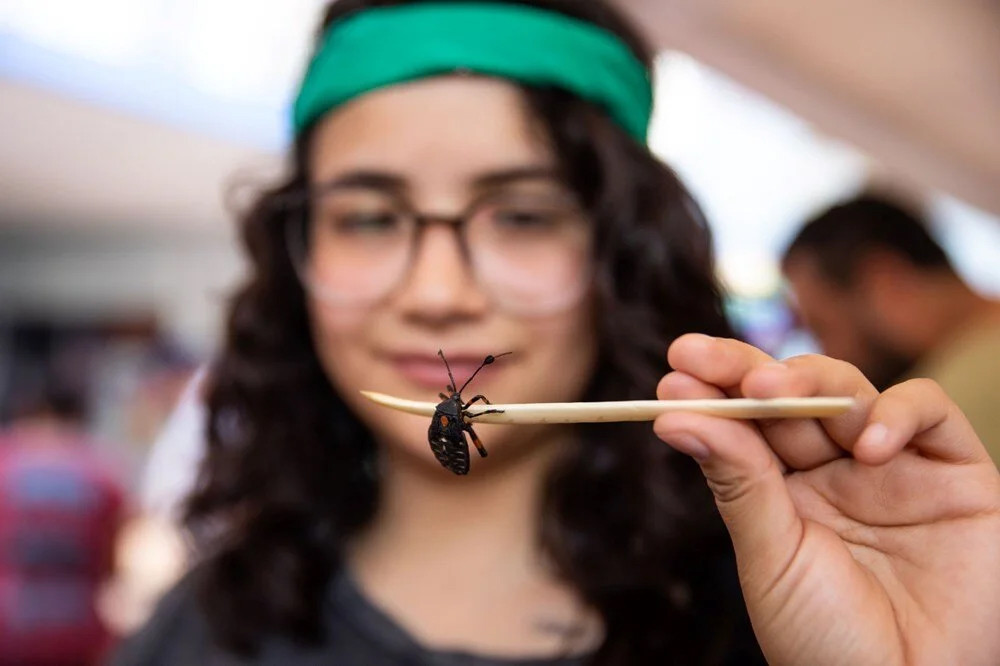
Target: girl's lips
x=431 y=373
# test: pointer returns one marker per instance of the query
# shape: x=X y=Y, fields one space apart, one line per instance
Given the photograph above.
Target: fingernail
x=873 y=436
x=690 y=445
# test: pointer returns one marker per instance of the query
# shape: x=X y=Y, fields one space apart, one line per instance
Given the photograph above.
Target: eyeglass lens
x=529 y=247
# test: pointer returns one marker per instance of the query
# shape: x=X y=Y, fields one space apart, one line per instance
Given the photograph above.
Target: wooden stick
x=632 y=410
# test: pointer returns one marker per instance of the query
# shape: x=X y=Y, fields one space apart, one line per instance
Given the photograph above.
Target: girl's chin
x=418 y=457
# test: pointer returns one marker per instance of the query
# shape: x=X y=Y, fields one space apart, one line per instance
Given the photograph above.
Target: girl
x=473 y=177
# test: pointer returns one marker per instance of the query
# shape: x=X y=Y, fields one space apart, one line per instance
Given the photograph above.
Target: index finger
x=742 y=370
x=721 y=362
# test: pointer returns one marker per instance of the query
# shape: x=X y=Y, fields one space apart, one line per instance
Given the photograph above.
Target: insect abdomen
x=452 y=454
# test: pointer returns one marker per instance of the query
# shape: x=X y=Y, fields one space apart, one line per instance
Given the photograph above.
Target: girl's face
x=437 y=145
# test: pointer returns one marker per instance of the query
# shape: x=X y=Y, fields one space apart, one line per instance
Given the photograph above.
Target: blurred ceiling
x=915 y=84
x=118 y=113
x=65 y=163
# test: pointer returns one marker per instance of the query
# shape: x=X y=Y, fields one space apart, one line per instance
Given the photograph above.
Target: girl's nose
x=441 y=285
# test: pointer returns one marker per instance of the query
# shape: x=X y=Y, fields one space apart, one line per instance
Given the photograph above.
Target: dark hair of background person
x=66 y=404
x=839 y=237
x=628 y=522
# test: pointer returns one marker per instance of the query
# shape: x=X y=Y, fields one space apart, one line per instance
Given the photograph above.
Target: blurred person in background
x=61 y=504
x=474 y=177
x=876 y=290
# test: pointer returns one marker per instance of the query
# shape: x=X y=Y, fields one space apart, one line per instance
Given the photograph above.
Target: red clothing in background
x=60 y=508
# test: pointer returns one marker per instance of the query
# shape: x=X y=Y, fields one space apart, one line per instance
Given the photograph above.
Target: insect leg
x=475 y=440
x=488 y=411
x=478 y=397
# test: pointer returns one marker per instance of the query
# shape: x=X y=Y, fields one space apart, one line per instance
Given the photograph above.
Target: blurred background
x=125 y=124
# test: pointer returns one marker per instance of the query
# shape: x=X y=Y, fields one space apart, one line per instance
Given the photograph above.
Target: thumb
x=746 y=478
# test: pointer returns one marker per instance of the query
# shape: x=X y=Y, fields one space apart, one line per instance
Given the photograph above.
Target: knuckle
x=663 y=388
x=922 y=386
x=806 y=359
x=733 y=489
x=827 y=363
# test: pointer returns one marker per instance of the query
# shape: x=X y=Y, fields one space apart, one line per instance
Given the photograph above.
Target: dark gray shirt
x=358 y=632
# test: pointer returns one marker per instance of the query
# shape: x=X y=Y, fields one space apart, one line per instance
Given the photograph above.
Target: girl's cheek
x=337 y=321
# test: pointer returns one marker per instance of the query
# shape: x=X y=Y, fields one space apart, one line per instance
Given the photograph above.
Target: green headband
x=387 y=45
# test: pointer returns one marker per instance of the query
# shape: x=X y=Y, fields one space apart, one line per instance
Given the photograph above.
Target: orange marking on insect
x=444 y=420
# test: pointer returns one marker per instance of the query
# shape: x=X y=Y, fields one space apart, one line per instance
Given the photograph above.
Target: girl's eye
x=526 y=218
x=366 y=222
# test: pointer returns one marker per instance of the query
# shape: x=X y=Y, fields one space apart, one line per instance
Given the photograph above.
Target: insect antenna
x=486 y=361
x=450 y=387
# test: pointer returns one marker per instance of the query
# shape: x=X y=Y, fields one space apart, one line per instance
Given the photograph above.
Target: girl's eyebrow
x=501 y=177
x=398 y=183
x=380 y=180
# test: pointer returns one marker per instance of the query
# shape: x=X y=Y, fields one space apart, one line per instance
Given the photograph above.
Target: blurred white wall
x=915 y=83
x=181 y=279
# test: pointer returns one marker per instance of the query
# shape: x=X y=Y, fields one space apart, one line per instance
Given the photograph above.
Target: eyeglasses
x=529 y=247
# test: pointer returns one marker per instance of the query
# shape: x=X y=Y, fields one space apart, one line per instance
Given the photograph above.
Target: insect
x=448 y=426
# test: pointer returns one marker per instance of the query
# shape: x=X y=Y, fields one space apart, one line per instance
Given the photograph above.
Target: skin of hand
x=872 y=537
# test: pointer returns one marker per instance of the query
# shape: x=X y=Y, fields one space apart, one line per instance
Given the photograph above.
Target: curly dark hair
x=628 y=522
